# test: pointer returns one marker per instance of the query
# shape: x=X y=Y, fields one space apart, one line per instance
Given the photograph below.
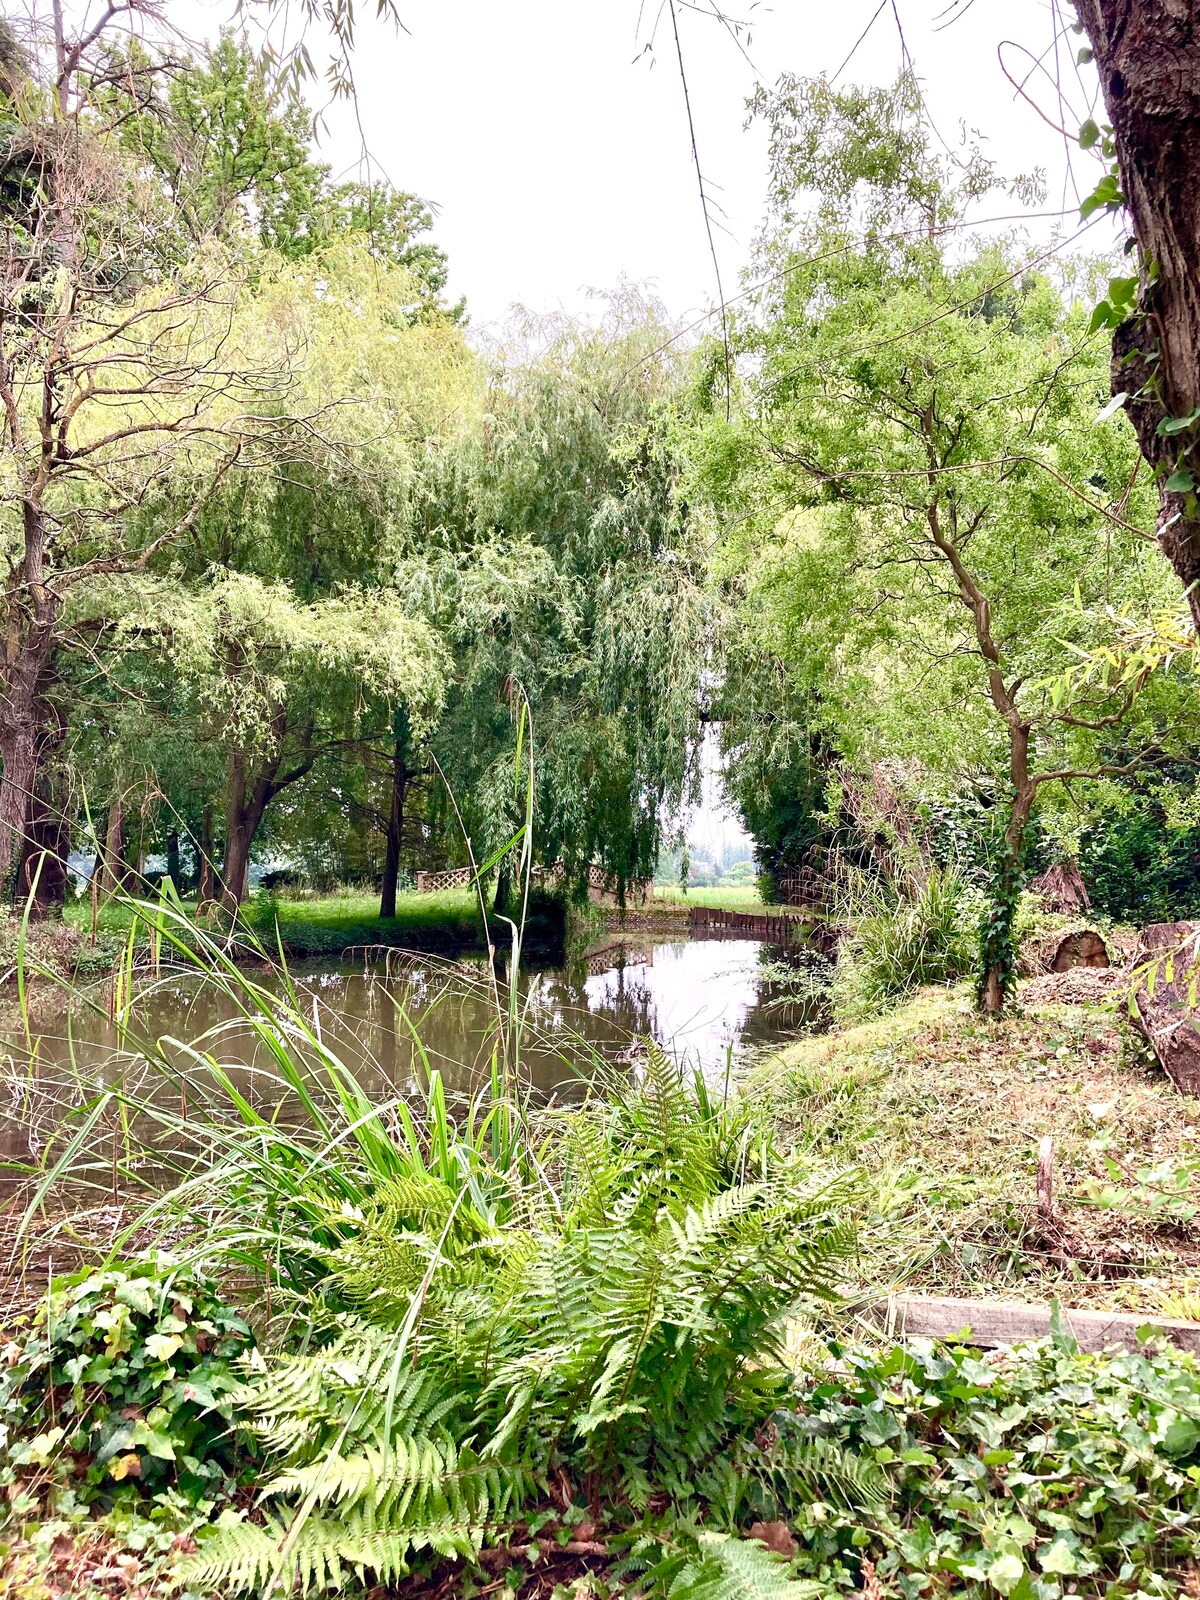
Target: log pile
x=1167 y=977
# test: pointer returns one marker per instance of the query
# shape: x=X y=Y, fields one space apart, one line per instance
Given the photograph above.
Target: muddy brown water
x=706 y=1001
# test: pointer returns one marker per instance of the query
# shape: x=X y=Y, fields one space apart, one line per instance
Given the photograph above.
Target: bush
x=897 y=943
x=505 y=1316
x=129 y=1370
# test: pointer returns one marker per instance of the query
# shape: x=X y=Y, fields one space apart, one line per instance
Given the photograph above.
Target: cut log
x=1063 y=949
x=1062 y=888
x=1165 y=1011
x=1000 y=1322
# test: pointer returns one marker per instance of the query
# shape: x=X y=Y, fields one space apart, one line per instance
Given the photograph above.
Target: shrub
x=130 y=1370
x=925 y=934
x=605 y=1315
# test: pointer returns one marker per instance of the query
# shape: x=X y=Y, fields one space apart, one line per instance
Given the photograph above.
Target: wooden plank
x=1000 y=1322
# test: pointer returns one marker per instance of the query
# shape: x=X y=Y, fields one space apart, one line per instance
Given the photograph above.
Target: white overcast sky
x=557 y=154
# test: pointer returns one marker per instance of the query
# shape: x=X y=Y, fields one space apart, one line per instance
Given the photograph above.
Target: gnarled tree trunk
x=27 y=665
x=1148 y=56
x=247 y=799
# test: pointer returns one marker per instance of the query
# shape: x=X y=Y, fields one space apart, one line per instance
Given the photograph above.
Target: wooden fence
x=433 y=882
x=754 y=925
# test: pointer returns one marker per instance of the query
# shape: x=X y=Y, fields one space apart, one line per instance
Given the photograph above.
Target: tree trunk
x=246 y=801
x=1148 y=56
x=27 y=664
x=501 y=904
x=395 y=830
x=44 y=872
x=174 y=870
x=999 y=955
x=112 y=857
x=206 y=871
x=245 y=804
x=45 y=844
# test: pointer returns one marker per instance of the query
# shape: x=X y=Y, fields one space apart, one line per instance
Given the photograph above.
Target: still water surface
x=705 y=1001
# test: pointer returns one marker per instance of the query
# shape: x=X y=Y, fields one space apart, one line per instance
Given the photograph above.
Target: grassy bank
x=742 y=897
x=338 y=923
x=552 y=1350
x=320 y=925
x=945 y=1112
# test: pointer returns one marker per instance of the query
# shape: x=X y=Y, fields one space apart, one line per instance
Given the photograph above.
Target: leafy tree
x=230 y=137
x=558 y=561
x=115 y=377
x=927 y=485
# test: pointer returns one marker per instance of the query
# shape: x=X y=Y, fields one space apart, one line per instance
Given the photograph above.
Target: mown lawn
x=331 y=923
x=944 y=1112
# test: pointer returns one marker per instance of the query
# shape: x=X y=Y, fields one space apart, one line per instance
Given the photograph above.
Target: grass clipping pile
x=948 y=1111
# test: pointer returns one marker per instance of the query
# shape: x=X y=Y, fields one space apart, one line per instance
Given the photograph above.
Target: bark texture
x=249 y=793
x=1166 y=962
x=1148 y=56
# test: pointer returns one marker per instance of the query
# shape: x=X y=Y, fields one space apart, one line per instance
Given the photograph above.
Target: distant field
x=744 y=897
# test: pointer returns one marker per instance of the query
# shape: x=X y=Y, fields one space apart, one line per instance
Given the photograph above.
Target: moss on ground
x=945 y=1112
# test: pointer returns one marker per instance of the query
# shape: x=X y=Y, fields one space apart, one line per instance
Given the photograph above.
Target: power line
x=708 y=228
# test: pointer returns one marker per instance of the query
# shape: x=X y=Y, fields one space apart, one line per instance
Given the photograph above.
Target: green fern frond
x=728 y=1568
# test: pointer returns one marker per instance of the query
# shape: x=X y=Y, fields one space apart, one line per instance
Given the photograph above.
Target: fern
x=738 y=1569
x=614 y=1321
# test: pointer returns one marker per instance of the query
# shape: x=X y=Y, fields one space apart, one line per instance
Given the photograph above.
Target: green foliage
x=129 y=1370
x=900 y=940
x=998 y=941
x=555 y=551
x=1033 y=1472
x=915 y=492
x=1140 y=856
x=493 y=1298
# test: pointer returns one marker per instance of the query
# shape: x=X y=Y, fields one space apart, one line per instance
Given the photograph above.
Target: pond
x=706 y=1001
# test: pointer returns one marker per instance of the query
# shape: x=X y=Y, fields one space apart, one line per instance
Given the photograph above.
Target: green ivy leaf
x=1063 y=1557
x=1089 y=133
x=1006 y=1572
x=1180 y=482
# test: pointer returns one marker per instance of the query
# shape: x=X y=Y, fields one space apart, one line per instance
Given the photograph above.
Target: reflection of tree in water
x=793 y=995
x=627 y=1009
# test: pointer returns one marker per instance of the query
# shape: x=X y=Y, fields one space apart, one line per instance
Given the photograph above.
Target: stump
x=1062 y=888
x=1063 y=949
x=1167 y=960
x=1084 y=948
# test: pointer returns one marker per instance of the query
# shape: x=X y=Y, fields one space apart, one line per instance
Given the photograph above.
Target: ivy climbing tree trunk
x=1148 y=56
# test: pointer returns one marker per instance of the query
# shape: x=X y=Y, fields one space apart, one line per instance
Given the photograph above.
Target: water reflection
x=704 y=1000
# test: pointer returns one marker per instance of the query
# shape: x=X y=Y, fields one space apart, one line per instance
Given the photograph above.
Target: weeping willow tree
x=560 y=563
x=268 y=651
